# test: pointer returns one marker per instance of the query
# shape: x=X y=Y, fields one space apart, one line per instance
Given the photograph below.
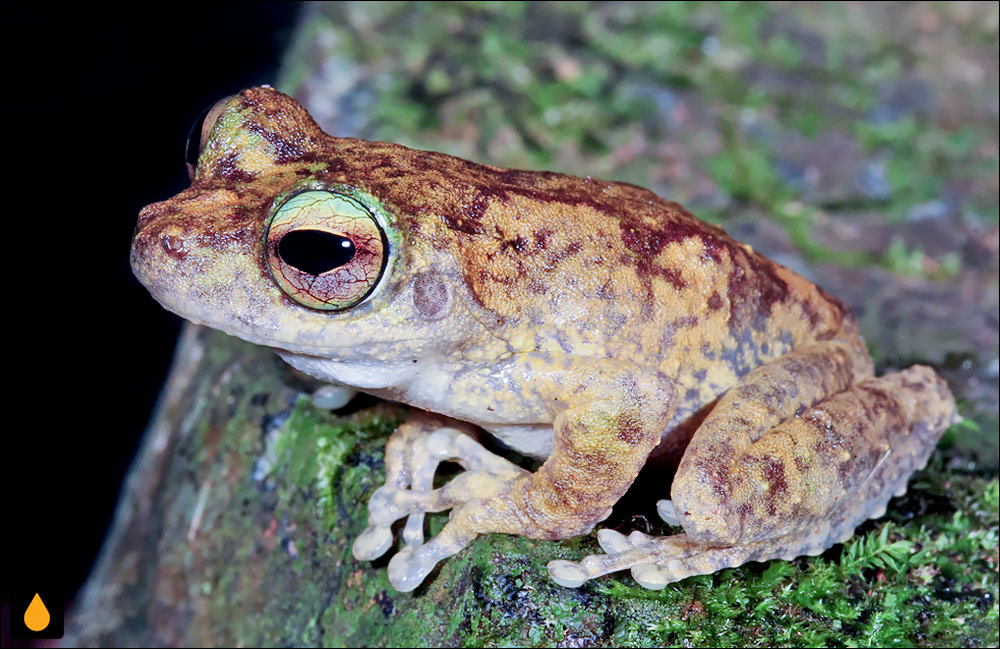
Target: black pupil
x=314 y=251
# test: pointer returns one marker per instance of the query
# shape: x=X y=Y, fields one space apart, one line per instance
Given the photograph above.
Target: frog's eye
x=198 y=135
x=325 y=250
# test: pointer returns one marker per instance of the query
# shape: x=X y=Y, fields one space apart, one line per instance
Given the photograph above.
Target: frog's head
x=314 y=245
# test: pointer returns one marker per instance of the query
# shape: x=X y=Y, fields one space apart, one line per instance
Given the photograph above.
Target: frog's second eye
x=198 y=135
x=325 y=250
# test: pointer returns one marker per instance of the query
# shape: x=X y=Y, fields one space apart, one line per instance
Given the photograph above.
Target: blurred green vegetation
x=728 y=108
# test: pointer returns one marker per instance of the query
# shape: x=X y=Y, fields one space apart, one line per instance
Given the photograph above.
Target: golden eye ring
x=325 y=250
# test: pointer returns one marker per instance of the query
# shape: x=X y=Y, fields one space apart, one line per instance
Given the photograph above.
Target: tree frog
x=592 y=325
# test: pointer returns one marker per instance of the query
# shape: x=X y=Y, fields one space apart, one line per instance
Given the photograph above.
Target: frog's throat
x=361 y=374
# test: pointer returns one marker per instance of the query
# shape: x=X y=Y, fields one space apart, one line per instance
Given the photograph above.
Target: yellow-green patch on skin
x=591 y=324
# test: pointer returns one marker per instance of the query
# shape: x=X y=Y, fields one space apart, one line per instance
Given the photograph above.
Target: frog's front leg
x=790 y=460
x=412 y=456
x=606 y=420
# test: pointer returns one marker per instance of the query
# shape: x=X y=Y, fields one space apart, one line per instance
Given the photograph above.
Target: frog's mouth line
x=375 y=353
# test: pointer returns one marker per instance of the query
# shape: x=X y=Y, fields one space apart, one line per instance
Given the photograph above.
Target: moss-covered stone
x=239 y=515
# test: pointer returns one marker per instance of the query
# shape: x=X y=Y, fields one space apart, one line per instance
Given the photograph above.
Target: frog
x=589 y=325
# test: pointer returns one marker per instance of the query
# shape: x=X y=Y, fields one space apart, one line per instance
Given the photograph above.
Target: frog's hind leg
x=771 y=475
x=412 y=457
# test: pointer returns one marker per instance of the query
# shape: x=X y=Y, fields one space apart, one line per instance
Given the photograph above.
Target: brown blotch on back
x=774 y=474
x=518 y=244
x=716 y=471
x=745 y=511
x=629 y=429
x=754 y=287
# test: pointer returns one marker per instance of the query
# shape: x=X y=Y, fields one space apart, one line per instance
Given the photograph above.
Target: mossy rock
x=237 y=520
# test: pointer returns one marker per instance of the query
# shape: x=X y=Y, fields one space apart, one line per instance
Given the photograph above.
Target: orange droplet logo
x=37 y=616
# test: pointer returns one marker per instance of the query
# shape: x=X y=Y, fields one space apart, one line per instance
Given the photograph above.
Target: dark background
x=97 y=107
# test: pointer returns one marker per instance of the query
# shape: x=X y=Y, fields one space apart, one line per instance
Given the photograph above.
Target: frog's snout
x=183 y=235
x=169 y=241
x=192 y=255
x=154 y=243
x=146 y=215
x=164 y=255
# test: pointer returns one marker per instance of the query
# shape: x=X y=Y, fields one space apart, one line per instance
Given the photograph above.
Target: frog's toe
x=407 y=570
x=372 y=543
x=413 y=456
x=612 y=541
x=623 y=552
x=649 y=575
x=658 y=561
x=413 y=531
x=410 y=493
x=411 y=565
x=573 y=574
x=389 y=504
x=665 y=508
x=449 y=444
x=567 y=573
x=444 y=443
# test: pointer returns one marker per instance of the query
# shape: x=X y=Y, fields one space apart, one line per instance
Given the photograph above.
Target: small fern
x=874 y=551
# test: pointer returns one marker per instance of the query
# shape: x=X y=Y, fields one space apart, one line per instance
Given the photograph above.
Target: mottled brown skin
x=585 y=322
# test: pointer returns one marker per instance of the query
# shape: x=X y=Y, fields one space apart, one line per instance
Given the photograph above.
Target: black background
x=97 y=105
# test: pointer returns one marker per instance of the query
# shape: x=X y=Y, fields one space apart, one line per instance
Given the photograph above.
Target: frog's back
x=597 y=268
x=584 y=266
x=590 y=268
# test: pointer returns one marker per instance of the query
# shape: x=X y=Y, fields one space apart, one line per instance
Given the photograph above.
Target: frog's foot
x=658 y=561
x=413 y=455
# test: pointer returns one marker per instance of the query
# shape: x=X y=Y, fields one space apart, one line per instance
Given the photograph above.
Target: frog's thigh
x=798 y=489
x=601 y=441
x=717 y=475
x=412 y=456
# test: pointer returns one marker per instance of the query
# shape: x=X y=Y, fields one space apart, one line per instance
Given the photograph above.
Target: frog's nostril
x=174 y=245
